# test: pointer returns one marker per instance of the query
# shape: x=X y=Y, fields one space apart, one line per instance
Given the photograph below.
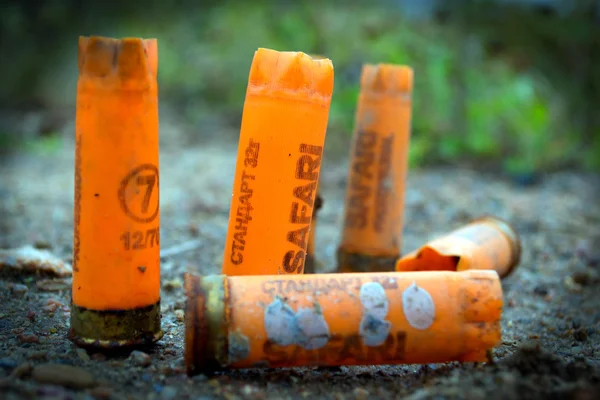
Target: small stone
x=580 y=335
x=83 y=355
x=168 y=393
x=194 y=230
x=179 y=305
x=29 y=260
x=51 y=392
x=53 y=330
x=576 y=350
x=37 y=355
x=180 y=315
x=360 y=394
x=63 y=375
x=28 y=338
x=581 y=278
x=247 y=390
x=101 y=392
x=42 y=244
x=540 y=290
x=19 y=289
x=531 y=346
x=52 y=305
x=139 y=358
x=571 y=284
x=22 y=370
x=30 y=315
x=173 y=284
x=52 y=285
x=8 y=363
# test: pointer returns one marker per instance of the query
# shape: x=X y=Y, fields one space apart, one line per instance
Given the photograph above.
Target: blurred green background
x=512 y=86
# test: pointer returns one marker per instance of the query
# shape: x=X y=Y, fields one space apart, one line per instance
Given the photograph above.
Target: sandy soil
x=551 y=320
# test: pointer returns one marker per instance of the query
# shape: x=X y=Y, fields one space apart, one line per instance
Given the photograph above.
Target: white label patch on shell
x=374 y=299
x=313 y=332
x=419 y=308
x=306 y=328
x=280 y=323
x=374 y=329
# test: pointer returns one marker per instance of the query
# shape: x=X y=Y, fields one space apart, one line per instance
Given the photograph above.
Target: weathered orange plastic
x=341 y=319
x=374 y=206
x=117 y=218
x=278 y=163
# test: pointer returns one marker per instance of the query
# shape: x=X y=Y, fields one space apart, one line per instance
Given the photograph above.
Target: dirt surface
x=551 y=319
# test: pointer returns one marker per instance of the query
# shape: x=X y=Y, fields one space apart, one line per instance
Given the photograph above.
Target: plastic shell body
x=340 y=319
x=116 y=255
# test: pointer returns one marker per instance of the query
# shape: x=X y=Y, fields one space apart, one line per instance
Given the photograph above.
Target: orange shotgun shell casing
x=116 y=266
x=374 y=206
x=278 y=163
x=310 y=264
x=340 y=319
x=485 y=243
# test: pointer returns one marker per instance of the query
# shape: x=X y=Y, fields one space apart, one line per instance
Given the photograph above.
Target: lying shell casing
x=485 y=243
x=340 y=319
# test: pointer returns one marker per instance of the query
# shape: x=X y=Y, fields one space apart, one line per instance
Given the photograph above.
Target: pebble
x=247 y=390
x=139 y=358
x=180 y=315
x=28 y=338
x=173 y=284
x=576 y=349
x=42 y=244
x=37 y=355
x=21 y=370
x=168 y=393
x=51 y=392
x=83 y=355
x=63 y=375
x=28 y=259
x=8 y=363
x=531 y=346
x=101 y=392
x=540 y=290
x=30 y=315
x=360 y=394
x=19 y=289
x=52 y=285
x=581 y=278
x=580 y=334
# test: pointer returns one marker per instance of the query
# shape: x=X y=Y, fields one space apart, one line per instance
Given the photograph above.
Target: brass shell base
x=355 y=262
x=115 y=329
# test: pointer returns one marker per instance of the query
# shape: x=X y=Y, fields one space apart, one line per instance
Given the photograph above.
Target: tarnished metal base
x=115 y=329
x=206 y=323
x=355 y=262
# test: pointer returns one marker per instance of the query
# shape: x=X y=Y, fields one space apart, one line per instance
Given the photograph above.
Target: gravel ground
x=551 y=321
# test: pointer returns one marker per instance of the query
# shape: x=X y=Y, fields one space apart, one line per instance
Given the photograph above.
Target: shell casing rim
x=206 y=323
x=113 y=329
x=513 y=238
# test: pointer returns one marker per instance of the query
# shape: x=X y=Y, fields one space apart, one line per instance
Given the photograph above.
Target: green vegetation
x=468 y=106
